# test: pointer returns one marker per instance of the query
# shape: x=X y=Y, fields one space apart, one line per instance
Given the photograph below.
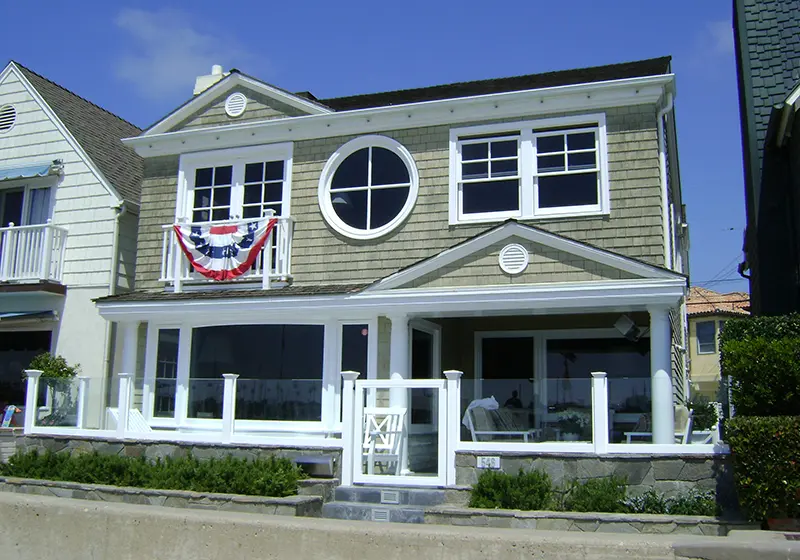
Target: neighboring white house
x=69 y=205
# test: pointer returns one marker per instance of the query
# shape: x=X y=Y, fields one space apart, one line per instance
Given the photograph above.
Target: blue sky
x=140 y=60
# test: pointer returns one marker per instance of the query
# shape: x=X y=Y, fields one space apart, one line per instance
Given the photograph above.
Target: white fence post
x=31 y=397
x=6 y=250
x=229 y=406
x=453 y=421
x=600 y=411
x=47 y=248
x=266 y=252
x=124 y=403
x=83 y=394
x=348 y=428
x=177 y=261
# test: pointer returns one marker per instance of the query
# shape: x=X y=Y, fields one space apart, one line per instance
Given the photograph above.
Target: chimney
x=202 y=83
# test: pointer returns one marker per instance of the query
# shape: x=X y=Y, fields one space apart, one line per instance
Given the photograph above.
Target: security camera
x=628 y=328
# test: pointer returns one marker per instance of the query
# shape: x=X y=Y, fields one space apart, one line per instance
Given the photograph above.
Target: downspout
x=662 y=163
x=112 y=289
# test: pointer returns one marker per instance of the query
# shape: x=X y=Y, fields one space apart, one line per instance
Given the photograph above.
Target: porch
x=32 y=253
x=536 y=384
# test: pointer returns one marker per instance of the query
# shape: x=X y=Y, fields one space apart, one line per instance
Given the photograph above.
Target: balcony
x=32 y=254
x=275 y=257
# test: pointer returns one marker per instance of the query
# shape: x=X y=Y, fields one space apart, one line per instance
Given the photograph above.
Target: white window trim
x=326 y=206
x=237 y=157
x=28 y=186
x=528 y=207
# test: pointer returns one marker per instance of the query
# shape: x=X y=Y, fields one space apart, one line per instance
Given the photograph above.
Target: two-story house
x=527 y=232
x=69 y=204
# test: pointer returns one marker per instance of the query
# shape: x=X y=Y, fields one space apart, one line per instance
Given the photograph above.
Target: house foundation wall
x=669 y=474
x=154 y=450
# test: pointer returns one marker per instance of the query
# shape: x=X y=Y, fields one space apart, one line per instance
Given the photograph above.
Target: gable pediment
x=551 y=259
x=264 y=102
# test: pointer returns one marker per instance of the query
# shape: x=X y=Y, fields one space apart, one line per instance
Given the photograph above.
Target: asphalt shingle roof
x=316 y=290
x=649 y=67
x=98 y=132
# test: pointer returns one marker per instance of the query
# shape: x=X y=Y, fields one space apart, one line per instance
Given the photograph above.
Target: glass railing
x=164 y=398
x=57 y=402
x=298 y=400
x=205 y=398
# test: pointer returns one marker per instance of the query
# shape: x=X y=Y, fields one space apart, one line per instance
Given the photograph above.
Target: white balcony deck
x=177 y=271
x=30 y=254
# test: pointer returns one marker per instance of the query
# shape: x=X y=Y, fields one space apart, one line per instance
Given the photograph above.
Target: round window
x=368 y=187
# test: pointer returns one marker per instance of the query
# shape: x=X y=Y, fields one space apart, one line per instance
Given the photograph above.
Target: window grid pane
x=212 y=193
x=565 y=169
x=490 y=175
x=706 y=337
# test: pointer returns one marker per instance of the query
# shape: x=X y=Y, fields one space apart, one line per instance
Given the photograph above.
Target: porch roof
x=293 y=290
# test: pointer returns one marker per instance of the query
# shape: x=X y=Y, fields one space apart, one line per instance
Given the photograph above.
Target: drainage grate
x=379 y=514
x=390 y=497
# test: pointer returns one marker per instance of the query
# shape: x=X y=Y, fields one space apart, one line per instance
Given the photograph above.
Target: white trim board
x=529 y=233
x=225 y=85
x=514 y=104
x=552 y=298
x=74 y=144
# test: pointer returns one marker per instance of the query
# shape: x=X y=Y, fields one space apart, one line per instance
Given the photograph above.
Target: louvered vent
x=8 y=116
x=390 y=497
x=513 y=258
x=380 y=514
x=235 y=104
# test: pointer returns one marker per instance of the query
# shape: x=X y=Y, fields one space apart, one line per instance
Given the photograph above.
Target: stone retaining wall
x=296 y=506
x=670 y=474
x=160 y=449
x=8 y=442
x=585 y=522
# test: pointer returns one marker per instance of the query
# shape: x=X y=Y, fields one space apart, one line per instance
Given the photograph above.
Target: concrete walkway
x=48 y=528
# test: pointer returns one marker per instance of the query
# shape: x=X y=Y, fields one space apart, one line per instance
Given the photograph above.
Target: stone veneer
x=670 y=474
x=160 y=449
x=303 y=506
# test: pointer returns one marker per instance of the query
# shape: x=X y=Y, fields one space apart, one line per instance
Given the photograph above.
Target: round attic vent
x=235 y=104
x=8 y=116
x=513 y=258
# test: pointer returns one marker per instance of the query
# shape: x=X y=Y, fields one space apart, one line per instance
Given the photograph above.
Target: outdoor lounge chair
x=500 y=422
x=383 y=437
x=683 y=416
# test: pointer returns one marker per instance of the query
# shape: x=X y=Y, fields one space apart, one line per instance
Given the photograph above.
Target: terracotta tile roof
x=98 y=132
x=708 y=302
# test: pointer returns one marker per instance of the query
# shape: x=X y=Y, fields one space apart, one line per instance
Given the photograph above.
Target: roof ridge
x=666 y=59
x=75 y=94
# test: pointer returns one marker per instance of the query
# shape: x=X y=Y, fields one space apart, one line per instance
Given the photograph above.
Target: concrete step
x=354 y=511
x=397 y=495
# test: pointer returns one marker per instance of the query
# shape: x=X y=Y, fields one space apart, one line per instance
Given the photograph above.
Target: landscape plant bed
x=584 y=521
x=302 y=506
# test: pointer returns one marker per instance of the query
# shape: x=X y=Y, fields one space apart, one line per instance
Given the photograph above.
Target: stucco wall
x=704 y=368
x=319 y=256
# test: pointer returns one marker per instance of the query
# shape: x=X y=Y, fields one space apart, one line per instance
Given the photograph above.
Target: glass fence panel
x=532 y=411
x=57 y=402
x=629 y=399
x=399 y=434
x=298 y=400
x=205 y=398
x=164 y=398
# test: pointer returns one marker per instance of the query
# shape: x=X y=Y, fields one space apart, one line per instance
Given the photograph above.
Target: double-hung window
x=236 y=184
x=529 y=170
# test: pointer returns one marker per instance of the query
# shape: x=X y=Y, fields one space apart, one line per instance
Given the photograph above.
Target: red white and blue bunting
x=223 y=252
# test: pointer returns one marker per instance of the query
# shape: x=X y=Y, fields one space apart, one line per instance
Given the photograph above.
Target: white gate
x=379 y=444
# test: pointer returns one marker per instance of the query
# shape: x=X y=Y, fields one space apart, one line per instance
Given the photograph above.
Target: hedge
x=534 y=490
x=273 y=477
x=766 y=459
x=762 y=357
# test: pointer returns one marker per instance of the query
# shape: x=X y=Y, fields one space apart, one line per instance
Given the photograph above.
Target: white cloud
x=168 y=53
x=720 y=37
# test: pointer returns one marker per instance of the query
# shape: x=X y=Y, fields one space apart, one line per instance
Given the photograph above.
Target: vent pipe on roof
x=202 y=83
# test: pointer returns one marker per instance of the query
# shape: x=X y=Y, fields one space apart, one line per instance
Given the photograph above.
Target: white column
x=349 y=438
x=453 y=422
x=83 y=395
x=31 y=394
x=663 y=412
x=228 y=406
x=399 y=369
x=124 y=403
x=600 y=411
x=130 y=345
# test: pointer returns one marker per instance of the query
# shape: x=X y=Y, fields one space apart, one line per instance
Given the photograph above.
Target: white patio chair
x=683 y=417
x=485 y=424
x=384 y=429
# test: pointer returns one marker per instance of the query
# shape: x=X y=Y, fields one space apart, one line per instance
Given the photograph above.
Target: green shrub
x=54 y=366
x=693 y=503
x=649 y=502
x=766 y=460
x=531 y=490
x=704 y=415
x=762 y=356
x=276 y=477
x=597 y=494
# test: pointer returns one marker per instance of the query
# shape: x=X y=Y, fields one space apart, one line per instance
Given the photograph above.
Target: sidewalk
x=48 y=528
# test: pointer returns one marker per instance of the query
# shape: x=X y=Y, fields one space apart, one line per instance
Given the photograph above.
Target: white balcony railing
x=275 y=257
x=32 y=253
